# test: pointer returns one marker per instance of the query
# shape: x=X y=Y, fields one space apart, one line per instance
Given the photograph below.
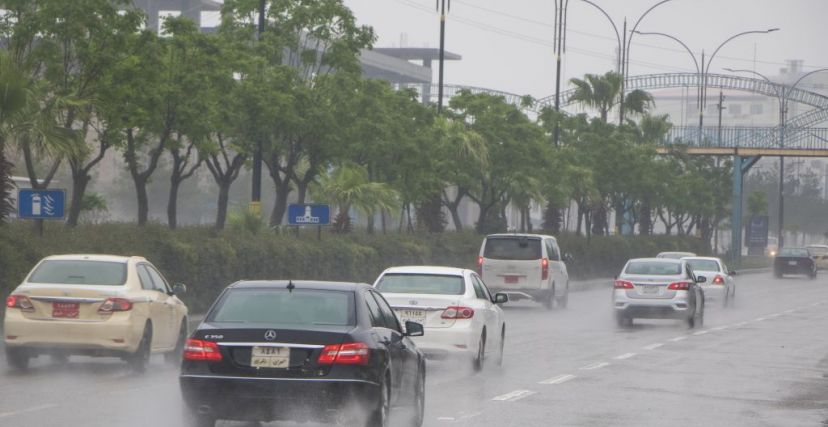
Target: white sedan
x=460 y=316
x=720 y=284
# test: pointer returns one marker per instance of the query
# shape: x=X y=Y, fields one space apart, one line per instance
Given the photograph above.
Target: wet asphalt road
x=763 y=362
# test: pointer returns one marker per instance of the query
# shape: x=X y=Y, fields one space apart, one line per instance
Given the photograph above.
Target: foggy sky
x=507 y=45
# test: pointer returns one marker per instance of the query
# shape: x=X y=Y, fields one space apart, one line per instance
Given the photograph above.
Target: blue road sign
x=41 y=204
x=309 y=214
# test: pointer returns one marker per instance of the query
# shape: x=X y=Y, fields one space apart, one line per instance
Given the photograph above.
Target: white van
x=525 y=266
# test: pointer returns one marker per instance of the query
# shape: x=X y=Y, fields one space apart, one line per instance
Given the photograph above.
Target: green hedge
x=208 y=261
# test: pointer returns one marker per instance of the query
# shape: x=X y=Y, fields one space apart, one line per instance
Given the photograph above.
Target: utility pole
x=441 y=7
x=719 y=129
x=561 y=7
x=256 y=196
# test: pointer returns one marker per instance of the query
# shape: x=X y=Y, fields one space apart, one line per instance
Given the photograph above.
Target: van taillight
x=20 y=301
x=480 y=265
x=202 y=350
x=355 y=353
x=544 y=269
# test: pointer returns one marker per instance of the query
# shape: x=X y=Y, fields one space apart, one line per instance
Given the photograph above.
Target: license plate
x=649 y=290
x=270 y=357
x=65 y=310
x=510 y=279
x=417 y=316
x=791 y=262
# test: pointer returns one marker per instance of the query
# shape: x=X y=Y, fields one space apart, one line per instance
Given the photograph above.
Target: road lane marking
x=775 y=315
x=677 y=339
x=718 y=328
x=741 y=324
x=760 y=319
x=513 y=396
x=595 y=366
x=700 y=333
x=624 y=356
x=790 y=311
x=653 y=346
x=558 y=380
x=25 y=411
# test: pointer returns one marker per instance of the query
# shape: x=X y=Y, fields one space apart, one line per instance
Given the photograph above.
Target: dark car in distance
x=302 y=351
x=794 y=261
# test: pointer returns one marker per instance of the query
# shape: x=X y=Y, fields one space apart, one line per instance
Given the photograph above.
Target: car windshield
x=80 y=272
x=513 y=248
x=421 y=284
x=704 y=264
x=653 y=268
x=281 y=306
x=794 y=252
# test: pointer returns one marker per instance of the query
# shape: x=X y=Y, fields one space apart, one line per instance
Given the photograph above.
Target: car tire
x=379 y=416
x=174 y=357
x=17 y=358
x=138 y=361
x=502 y=346
x=813 y=275
x=479 y=359
x=563 y=301
x=623 y=321
x=549 y=300
x=777 y=274
x=194 y=419
x=59 y=358
x=418 y=405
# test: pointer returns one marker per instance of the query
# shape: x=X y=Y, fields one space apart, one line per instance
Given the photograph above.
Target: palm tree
x=604 y=92
x=347 y=186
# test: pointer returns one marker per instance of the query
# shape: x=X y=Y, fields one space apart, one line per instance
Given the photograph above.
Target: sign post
x=40 y=205
x=309 y=214
x=757 y=234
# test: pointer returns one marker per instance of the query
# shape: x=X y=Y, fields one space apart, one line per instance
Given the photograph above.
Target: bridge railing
x=747 y=137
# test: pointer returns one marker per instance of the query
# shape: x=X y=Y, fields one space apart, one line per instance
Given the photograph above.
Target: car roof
x=299 y=284
x=92 y=257
x=539 y=236
x=702 y=258
x=818 y=246
x=673 y=260
x=426 y=269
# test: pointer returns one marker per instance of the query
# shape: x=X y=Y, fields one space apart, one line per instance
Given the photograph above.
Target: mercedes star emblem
x=270 y=335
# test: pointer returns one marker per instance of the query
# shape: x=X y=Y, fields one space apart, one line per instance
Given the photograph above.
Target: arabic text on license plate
x=791 y=262
x=67 y=310
x=417 y=316
x=510 y=279
x=270 y=357
x=649 y=289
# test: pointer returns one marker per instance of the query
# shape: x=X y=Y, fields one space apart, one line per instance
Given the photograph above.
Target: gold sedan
x=94 y=305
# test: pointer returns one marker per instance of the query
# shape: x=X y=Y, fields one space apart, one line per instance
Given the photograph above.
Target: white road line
x=719 y=328
x=595 y=366
x=653 y=346
x=559 y=379
x=624 y=356
x=775 y=315
x=700 y=333
x=27 y=410
x=760 y=319
x=677 y=339
x=445 y=418
x=790 y=311
x=513 y=396
x=741 y=324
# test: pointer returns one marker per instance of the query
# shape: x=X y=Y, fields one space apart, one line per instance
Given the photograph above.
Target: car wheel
x=419 y=402
x=193 y=419
x=502 y=346
x=813 y=275
x=17 y=358
x=549 y=301
x=379 y=418
x=564 y=300
x=59 y=358
x=174 y=357
x=623 y=321
x=777 y=274
x=481 y=353
x=139 y=360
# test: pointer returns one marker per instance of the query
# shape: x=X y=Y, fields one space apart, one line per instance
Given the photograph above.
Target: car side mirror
x=500 y=298
x=414 y=329
x=732 y=272
x=701 y=279
x=179 y=289
x=567 y=257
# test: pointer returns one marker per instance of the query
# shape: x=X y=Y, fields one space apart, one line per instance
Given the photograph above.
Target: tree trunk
x=280 y=203
x=453 y=205
x=143 y=200
x=223 y=199
x=645 y=225
x=80 y=179
x=172 y=203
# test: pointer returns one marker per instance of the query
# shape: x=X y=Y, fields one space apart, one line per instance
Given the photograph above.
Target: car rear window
x=654 y=268
x=421 y=284
x=703 y=264
x=298 y=307
x=794 y=252
x=80 y=272
x=817 y=250
x=512 y=248
x=675 y=255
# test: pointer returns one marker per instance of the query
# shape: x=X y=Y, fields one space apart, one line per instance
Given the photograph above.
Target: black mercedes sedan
x=302 y=351
x=794 y=261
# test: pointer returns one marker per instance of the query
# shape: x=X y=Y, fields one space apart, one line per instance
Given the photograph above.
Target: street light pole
x=256 y=196
x=561 y=7
x=441 y=6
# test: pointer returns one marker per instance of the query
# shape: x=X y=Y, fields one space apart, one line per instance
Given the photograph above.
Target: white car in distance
x=720 y=284
x=460 y=316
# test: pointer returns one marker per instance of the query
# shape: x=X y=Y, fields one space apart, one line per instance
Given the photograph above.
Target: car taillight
x=679 y=286
x=718 y=280
x=623 y=284
x=480 y=265
x=20 y=301
x=544 y=269
x=355 y=353
x=112 y=305
x=202 y=350
x=457 y=312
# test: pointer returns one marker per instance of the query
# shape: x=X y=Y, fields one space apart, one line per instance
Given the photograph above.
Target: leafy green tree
x=347 y=187
x=757 y=203
x=603 y=93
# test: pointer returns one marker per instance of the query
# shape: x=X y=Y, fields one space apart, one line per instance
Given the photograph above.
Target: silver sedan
x=658 y=288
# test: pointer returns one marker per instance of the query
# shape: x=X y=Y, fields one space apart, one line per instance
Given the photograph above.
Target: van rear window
x=513 y=248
